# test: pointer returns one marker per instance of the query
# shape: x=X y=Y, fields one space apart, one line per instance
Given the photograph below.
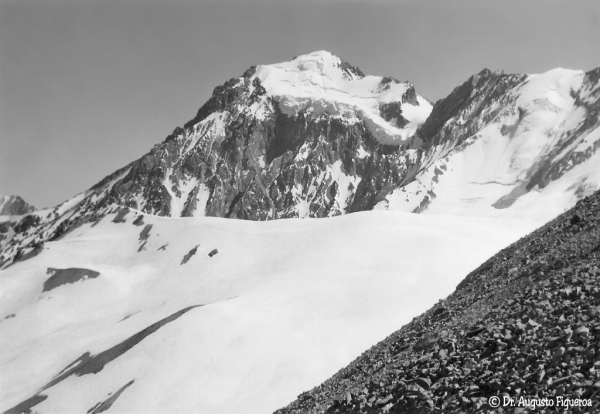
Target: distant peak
x=14 y=206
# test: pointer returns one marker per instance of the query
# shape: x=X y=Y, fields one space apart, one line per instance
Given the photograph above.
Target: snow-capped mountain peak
x=316 y=64
x=320 y=82
x=313 y=137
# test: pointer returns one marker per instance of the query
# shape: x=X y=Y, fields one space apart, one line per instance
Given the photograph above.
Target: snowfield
x=281 y=307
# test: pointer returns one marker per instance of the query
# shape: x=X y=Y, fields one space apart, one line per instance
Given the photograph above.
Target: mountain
x=138 y=296
x=515 y=145
x=523 y=324
x=14 y=206
x=315 y=137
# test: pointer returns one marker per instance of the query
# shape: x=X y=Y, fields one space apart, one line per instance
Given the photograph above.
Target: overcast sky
x=88 y=86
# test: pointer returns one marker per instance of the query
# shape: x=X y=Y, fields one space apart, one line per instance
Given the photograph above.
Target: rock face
x=315 y=137
x=525 y=323
x=14 y=206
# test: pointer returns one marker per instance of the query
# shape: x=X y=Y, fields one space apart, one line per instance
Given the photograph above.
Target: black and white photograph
x=299 y=206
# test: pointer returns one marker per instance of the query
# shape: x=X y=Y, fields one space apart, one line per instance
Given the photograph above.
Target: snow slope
x=284 y=305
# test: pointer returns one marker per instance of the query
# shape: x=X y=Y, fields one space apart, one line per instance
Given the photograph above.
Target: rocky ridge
x=525 y=323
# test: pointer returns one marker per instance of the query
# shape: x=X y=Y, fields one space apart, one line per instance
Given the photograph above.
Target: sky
x=87 y=86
